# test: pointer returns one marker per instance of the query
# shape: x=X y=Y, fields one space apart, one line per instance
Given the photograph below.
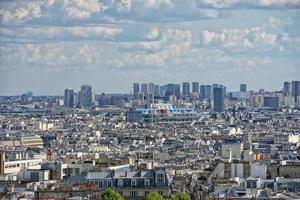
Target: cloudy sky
x=49 y=45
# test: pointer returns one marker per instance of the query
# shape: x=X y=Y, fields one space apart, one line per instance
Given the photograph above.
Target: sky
x=49 y=45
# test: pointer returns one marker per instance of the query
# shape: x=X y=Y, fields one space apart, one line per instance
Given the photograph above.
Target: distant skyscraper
x=162 y=90
x=144 y=88
x=186 y=88
x=151 y=88
x=195 y=87
x=219 y=96
x=156 y=90
x=69 y=98
x=205 y=91
x=202 y=92
x=136 y=89
x=243 y=88
x=177 y=91
x=295 y=89
x=170 y=90
x=286 y=88
x=85 y=96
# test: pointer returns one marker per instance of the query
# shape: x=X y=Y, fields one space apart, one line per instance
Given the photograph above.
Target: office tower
x=186 y=88
x=156 y=90
x=69 y=98
x=243 y=88
x=295 y=89
x=205 y=91
x=195 y=87
x=151 y=88
x=75 y=99
x=144 y=88
x=85 y=96
x=202 y=92
x=271 y=101
x=162 y=90
x=286 y=88
x=219 y=96
x=136 y=89
x=170 y=90
x=177 y=91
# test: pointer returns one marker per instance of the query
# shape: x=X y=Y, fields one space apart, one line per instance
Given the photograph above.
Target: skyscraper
x=69 y=97
x=151 y=88
x=186 y=88
x=144 y=88
x=156 y=90
x=85 y=95
x=195 y=87
x=286 y=88
x=295 y=89
x=170 y=90
x=162 y=90
x=205 y=91
x=136 y=89
x=202 y=92
x=219 y=96
x=177 y=91
x=243 y=88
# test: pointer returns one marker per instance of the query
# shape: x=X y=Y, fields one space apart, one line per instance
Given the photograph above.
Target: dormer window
x=160 y=178
x=133 y=183
x=120 y=183
x=147 y=182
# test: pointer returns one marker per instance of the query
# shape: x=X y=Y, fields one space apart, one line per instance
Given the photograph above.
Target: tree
x=154 y=196
x=111 y=195
x=181 y=196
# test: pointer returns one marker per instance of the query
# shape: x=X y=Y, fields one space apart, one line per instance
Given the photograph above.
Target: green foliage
x=111 y=195
x=154 y=196
x=181 y=196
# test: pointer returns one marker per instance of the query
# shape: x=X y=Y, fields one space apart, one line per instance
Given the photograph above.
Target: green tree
x=111 y=195
x=181 y=196
x=154 y=196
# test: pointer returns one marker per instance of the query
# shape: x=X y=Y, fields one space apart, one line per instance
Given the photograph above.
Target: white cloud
x=79 y=9
x=240 y=39
x=249 y=3
x=274 y=22
x=53 y=55
x=57 y=33
x=20 y=12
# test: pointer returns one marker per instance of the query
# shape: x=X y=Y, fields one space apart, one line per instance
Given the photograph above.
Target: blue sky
x=49 y=45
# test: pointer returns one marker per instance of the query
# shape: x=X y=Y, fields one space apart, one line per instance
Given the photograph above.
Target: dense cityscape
x=149 y=99
x=201 y=141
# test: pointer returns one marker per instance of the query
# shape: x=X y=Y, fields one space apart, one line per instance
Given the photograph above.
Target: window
x=160 y=179
x=100 y=184
x=146 y=193
x=147 y=182
x=120 y=183
x=133 y=194
x=160 y=192
x=133 y=183
x=109 y=184
x=248 y=184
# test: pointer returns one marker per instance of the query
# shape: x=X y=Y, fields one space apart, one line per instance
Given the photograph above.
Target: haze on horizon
x=49 y=45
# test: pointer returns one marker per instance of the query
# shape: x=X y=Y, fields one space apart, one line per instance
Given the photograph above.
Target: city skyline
x=46 y=46
x=131 y=89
